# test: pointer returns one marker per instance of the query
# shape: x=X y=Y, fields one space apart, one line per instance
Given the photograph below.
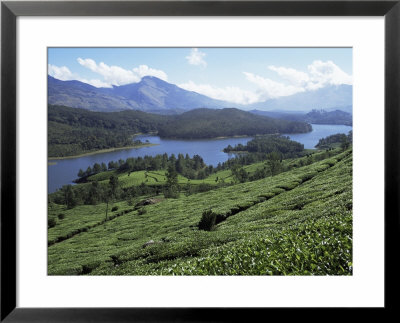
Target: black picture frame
x=10 y=10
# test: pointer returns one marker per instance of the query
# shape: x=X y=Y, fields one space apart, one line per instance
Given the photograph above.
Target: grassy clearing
x=295 y=223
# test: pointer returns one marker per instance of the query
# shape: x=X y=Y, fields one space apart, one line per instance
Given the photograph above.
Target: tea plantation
x=298 y=222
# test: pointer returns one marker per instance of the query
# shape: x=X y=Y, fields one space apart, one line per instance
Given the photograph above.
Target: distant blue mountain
x=154 y=95
x=314 y=116
x=328 y=98
x=150 y=94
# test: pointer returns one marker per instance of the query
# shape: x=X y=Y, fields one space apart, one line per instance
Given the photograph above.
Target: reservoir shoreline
x=101 y=151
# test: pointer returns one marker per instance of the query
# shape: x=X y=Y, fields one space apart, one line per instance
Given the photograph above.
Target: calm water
x=310 y=139
x=66 y=170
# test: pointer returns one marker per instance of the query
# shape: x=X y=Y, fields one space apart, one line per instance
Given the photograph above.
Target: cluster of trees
x=190 y=167
x=95 y=192
x=268 y=144
x=272 y=166
x=92 y=193
x=97 y=168
x=339 y=139
x=209 y=123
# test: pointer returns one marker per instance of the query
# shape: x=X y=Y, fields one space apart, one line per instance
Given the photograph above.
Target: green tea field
x=298 y=222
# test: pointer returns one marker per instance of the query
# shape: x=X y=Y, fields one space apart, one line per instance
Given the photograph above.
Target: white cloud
x=269 y=89
x=144 y=70
x=229 y=93
x=319 y=74
x=61 y=73
x=196 y=57
x=326 y=73
x=112 y=75
x=295 y=77
x=96 y=83
x=64 y=74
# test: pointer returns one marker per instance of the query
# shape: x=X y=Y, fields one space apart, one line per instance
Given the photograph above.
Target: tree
x=111 y=191
x=201 y=174
x=113 y=184
x=239 y=174
x=350 y=136
x=112 y=165
x=171 y=186
x=172 y=159
x=81 y=173
x=164 y=161
x=274 y=162
x=180 y=163
x=198 y=162
x=96 y=168
x=345 y=143
x=69 y=196
x=94 y=193
x=88 y=171
x=228 y=149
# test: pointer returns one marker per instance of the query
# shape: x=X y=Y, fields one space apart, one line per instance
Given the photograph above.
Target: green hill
x=298 y=222
x=208 y=123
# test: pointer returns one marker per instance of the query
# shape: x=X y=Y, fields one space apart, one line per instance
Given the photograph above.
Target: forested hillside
x=75 y=131
x=207 y=123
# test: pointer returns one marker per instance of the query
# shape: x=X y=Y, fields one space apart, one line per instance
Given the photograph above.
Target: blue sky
x=240 y=75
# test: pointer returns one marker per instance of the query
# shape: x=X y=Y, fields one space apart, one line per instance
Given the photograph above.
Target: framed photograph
x=181 y=160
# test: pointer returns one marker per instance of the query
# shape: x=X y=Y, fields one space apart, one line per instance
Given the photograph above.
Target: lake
x=64 y=171
x=310 y=139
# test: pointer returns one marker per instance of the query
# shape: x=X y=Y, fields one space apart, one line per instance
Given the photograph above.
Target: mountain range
x=150 y=95
x=154 y=95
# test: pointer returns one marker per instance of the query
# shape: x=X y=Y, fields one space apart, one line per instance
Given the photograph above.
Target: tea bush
x=207 y=222
x=51 y=223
